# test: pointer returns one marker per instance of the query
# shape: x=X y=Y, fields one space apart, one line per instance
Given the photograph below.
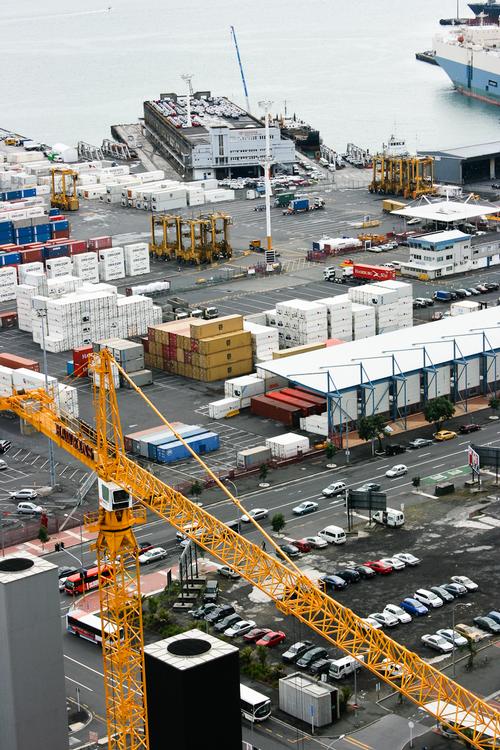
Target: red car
x=301 y=545
x=256 y=634
x=379 y=567
x=273 y=638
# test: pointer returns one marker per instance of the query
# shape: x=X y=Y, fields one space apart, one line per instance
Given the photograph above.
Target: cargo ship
x=306 y=138
x=490 y=8
x=470 y=56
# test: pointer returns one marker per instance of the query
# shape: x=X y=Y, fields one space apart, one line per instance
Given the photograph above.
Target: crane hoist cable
x=102 y=450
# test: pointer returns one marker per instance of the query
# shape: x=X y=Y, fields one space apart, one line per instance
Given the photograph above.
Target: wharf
x=150 y=158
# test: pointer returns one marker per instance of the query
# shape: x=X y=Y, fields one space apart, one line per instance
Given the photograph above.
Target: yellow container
x=224 y=342
x=202 y=329
x=221 y=358
x=226 y=371
x=282 y=353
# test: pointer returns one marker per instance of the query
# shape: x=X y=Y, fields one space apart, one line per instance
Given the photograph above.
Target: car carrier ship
x=470 y=56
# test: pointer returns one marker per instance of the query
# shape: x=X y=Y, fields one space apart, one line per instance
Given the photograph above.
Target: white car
x=437 y=643
x=424 y=596
x=306 y=507
x=452 y=635
x=397 y=471
x=3 y=465
x=385 y=619
x=396 y=611
x=465 y=581
x=395 y=562
x=316 y=542
x=29 y=508
x=371 y=621
x=24 y=494
x=189 y=528
x=152 y=555
x=335 y=488
x=239 y=628
x=407 y=558
x=256 y=514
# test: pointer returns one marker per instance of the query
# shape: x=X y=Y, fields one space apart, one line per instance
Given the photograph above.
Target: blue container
x=9 y=259
x=316 y=246
x=299 y=204
x=204 y=443
x=14 y=195
x=29 y=192
x=70 y=367
x=185 y=432
x=58 y=251
x=57 y=226
x=53 y=212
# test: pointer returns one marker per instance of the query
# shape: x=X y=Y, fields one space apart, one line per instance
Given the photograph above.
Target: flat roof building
x=465 y=164
x=222 y=140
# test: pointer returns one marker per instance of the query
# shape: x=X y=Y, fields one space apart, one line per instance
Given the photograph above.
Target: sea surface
x=70 y=70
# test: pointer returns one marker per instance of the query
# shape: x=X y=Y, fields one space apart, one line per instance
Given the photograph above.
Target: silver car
x=452 y=636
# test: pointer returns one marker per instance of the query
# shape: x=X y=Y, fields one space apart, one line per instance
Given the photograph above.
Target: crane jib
x=69 y=437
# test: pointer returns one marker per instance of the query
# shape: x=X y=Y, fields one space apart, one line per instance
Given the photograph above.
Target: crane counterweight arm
x=292 y=591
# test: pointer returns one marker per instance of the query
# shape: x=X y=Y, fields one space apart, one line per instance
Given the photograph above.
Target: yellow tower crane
x=127 y=491
x=63 y=196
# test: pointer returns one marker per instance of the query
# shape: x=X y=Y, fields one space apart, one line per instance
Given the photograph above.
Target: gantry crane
x=64 y=197
x=127 y=492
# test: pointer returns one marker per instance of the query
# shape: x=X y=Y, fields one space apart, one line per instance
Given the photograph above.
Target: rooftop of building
x=207 y=112
x=378 y=358
x=468 y=152
x=446 y=211
x=447 y=235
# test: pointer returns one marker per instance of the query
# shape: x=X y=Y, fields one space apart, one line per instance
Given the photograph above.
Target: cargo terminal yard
x=256 y=360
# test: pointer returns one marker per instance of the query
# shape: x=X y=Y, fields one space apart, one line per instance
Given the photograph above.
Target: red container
x=306 y=408
x=334 y=342
x=373 y=273
x=145 y=343
x=8 y=247
x=304 y=395
x=31 y=255
x=8 y=319
x=100 y=243
x=80 y=360
x=15 y=362
x=266 y=407
x=61 y=234
x=76 y=247
x=32 y=245
x=59 y=217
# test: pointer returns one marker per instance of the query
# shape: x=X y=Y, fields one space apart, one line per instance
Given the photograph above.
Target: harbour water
x=347 y=66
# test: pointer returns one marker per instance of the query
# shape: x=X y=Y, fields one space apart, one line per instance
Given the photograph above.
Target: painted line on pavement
x=80 y=684
x=85 y=666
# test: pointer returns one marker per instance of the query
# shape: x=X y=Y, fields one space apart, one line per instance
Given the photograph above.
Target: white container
x=220 y=409
x=245 y=386
x=287 y=445
x=464 y=306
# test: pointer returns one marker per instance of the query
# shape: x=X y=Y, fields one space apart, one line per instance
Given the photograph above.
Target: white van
x=389 y=517
x=342 y=667
x=333 y=534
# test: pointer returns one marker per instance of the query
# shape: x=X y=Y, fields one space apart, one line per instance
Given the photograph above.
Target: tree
x=330 y=449
x=372 y=427
x=196 y=488
x=438 y=410
x=263 y=472
x=278 y=522
x=43 y=534
x=494 y=403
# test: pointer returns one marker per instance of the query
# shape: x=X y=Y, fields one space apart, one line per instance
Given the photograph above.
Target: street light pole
x=42 y=314
x=266 y=106
x=460 y=604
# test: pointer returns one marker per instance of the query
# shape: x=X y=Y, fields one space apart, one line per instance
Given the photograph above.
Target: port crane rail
x=102 y=450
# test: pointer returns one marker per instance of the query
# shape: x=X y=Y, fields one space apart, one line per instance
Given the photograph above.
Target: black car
x=289 y=549
x=369 y=486
x=65 y=572
x=332 y=582
x=488 y=624
x=349 y=574
x=211 y=591
x=365 y=572
x=453 y=296
x=320 y=666
x=4 y=446
x=461 y=293
x=219 y=613
x=305 y=661
x=464 y=429
x=442 y=593
x=202 y=612
x=495 y=186
x=226 y=622
x=394 y=450
x=296 y=650
x=492 y=286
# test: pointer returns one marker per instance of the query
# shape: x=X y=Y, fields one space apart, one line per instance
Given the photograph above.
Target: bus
x=87 y=626
x=254 y=705
x=85 y=580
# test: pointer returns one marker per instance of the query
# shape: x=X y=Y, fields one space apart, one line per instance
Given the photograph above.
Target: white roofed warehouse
x=395 y=375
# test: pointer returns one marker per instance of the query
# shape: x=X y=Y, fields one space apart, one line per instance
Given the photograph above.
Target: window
x=493 y=84
x=449 y=257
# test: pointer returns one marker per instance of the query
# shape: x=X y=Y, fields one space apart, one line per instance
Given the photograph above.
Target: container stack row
x=301 y=322
x=160 y=444
x=130 y=357
x=199 y=349
x=265 y=340
x=287 y=405
x=20 y=374
x=391 y=301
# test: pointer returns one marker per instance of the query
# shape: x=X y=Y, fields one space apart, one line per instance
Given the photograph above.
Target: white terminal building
x=215 y=139
x=448 y=250
x=394 y=374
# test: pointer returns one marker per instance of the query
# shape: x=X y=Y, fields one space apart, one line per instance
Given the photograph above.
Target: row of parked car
x=227 y=621
x=342 y=578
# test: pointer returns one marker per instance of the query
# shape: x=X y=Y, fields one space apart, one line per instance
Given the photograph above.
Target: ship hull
x=492 y=11
x=473 y=73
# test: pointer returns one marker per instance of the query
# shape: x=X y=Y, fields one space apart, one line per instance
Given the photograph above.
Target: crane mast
x=242 y=72
x=127 y=491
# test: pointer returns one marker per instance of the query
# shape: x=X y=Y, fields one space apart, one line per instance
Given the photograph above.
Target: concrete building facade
x=220 y=140
x=466 y=164
x=32 y=687
x=446 y=253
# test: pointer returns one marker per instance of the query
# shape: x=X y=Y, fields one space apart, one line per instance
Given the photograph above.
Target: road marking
x=358 y=743
x=80 y=684
x=85 y=666
x=464 y=442
x=438 y=466
x=428 y=454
